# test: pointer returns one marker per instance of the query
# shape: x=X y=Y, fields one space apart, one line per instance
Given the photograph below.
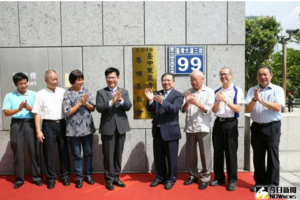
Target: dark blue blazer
x=166 y=115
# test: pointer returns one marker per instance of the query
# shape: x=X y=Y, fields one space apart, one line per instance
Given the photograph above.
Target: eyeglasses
x=225 y=74
x=111 y=78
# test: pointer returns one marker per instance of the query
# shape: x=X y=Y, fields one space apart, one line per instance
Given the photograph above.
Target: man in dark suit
x=165 y=130
x=113 y=102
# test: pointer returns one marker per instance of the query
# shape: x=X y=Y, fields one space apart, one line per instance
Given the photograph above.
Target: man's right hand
x=149 y=94
x=40 y=136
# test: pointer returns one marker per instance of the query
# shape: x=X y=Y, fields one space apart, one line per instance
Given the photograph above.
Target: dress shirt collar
x=51 y=90
x=114 y=89
x=19 y=94
x=229 y=88
x=270 y=86
x=203 y=88
x=168 y=91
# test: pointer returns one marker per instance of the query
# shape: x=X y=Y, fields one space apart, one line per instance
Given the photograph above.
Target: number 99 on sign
x=188 y=63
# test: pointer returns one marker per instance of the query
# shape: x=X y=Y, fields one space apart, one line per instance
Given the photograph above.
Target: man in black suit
x=113 y=102
x=165 y=130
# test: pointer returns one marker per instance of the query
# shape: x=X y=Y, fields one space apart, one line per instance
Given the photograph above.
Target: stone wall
x=93 y=36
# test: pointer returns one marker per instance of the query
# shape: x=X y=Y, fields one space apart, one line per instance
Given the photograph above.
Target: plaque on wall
x=144 y=76
x=183 y=60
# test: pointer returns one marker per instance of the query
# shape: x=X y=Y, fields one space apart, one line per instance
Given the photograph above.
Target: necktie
x=112 y=92
x=165 y=95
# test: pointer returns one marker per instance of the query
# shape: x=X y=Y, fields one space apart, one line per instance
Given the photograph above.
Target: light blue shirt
x=13 y=100
x=261 y=114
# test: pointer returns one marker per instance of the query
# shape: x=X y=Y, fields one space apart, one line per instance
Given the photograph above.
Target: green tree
x=260 y=41
x=292 y=71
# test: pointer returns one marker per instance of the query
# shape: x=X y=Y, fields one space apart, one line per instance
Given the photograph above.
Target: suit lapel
x=108 y=92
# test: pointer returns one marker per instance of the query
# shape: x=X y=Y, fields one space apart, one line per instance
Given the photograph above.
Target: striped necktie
x=165 y=95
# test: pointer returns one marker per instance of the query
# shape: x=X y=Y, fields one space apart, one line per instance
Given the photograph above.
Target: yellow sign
x=67 y=83
x=144 y=76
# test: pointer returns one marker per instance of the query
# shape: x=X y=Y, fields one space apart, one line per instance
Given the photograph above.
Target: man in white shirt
x=197 y=104
x=229 y=99
x=48 y=107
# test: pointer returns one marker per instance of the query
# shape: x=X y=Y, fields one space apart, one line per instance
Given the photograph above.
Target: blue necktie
x=165 y=95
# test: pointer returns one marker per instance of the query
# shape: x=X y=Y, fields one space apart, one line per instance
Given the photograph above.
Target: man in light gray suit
x=113 y=102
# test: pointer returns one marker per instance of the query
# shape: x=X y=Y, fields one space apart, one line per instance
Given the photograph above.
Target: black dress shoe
x=65 y=182
x=89 y=180
x=50 y=185
x=79 y=183
x=39 y=183
x=191 y=180
x=156 y=183
x=17 y=185
x=231 y=186
x=169 y=185
x=109 y=186
x=252 y=189
x=119 y=183
x=203 y=185
x=216 y=182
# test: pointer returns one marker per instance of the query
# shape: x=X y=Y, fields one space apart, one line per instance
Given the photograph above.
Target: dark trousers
x=225 y=139
x=162 y=150
x=266 y=139
x=87 y=146
x=112 y=148
x=20 y=133
x=291 y=105
x=56 y=132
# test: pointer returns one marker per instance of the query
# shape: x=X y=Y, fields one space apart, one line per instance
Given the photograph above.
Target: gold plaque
x=144 y=76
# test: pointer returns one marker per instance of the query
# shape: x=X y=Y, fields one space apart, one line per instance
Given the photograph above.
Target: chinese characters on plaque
x=144 y=76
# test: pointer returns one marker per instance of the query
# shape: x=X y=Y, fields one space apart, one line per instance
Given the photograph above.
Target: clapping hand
x=220 y=96
x=149 y=94
x=257 y=95
x=158 y=98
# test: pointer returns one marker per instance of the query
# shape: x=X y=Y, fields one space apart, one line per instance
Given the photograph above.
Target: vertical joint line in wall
x=18 y=3
x=124 y=66
x=102 y=24
x=185 y=23
x=61 y=34
x=144 y=23
x=227 y=22
x=206 y=71
x=82 y=60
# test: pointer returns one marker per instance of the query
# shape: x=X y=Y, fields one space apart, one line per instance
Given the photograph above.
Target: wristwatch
x=254 y=100
x=120 y=99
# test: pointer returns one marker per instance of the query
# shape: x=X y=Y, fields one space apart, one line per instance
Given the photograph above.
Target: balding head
x=197 y=79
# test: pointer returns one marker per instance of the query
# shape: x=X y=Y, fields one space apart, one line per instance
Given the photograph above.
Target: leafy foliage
x=260 y=41
x=292 y=70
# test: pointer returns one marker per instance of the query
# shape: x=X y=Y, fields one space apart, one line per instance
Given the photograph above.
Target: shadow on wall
x=6 y=163
x=137 y=160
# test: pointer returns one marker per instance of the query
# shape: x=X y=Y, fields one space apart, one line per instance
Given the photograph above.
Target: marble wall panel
x=165 y=22
x=206 y=22
x=95 y=61
x=123 y=23
x=81 y=23
x=40 y=23
x=236 y=22
x=9 y=24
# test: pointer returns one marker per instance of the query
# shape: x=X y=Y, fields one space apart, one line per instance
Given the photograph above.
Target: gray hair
x=48 y=72
x=230 y=71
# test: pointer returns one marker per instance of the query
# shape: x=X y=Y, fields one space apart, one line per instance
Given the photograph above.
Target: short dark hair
x=266 y=67
x=19 y=76
x=111 y=70
x=74 y=75
x=165 y=74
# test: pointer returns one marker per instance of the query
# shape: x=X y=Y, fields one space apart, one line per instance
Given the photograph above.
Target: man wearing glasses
x=229 y=99
x=113 y=102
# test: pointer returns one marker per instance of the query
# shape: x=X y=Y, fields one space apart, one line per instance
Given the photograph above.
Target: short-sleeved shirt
x=196 y=120
x=224 y=111
x=80 y=123
x=48 y=104
x=14 y=99
x=261 y=114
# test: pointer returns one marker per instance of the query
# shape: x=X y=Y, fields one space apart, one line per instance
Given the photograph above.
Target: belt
x=265 y=124
x=22 y=120
x=53 y=121
x=230 y=119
